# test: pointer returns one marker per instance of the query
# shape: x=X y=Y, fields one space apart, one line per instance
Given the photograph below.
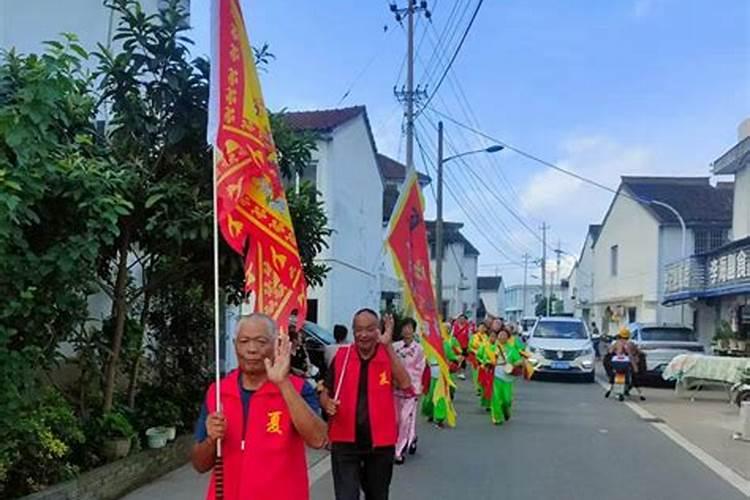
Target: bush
x=114 y=425
x=37 y=451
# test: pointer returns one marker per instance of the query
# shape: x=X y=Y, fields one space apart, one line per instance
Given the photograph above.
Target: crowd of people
x=363 y=408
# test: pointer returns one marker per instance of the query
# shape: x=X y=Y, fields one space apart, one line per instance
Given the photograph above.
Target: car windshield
x=667 y=334
x=559 y=330
x=324 y=335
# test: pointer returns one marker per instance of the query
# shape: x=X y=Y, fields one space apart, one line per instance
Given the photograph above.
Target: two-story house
x=460 y=264
x=580 y=294
x=715 y=282
x=346 y=172
x=491 y=292
x=639 y=237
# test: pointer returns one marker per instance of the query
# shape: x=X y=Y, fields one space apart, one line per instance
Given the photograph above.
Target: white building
x=345 y=170
x=460 y=263
x=27 y=25
x=580 y=292
x=491 y=296
x=715 y=284
x=638 y=239
x=516 y=307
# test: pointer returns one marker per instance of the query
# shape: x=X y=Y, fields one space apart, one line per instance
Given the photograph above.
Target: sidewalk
x=186 y=484
x=708 y=422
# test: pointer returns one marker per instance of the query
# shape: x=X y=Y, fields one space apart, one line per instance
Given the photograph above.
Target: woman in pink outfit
x=412 y=357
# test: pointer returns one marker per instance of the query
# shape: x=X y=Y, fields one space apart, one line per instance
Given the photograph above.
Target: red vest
x=273 y=464
x=380 y=399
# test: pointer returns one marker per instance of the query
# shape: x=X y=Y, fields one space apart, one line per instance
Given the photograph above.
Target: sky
x=622 y=87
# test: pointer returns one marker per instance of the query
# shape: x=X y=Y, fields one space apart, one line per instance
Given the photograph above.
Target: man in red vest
x=265 y=420
x=358 y=396
x=461 y=330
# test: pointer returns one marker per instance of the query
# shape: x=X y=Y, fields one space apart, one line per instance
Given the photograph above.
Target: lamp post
x=439 y=220
x=683 y=250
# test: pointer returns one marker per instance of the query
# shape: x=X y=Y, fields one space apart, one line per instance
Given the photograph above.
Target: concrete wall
x=741 y=213
x=492 y=302
x=347 y=159
x=636 y=233
x=118 y=478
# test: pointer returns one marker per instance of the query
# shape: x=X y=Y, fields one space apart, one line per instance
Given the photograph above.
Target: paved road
x=569 y=444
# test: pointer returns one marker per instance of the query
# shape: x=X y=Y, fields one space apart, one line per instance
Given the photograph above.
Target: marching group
x=364 y=409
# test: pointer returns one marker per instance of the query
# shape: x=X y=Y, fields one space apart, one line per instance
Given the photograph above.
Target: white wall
x=354 y=253
x=741 y=214
x=670 y=251
x=459 y=271
x=636 y=233
x=492 y=302
x=27 y=24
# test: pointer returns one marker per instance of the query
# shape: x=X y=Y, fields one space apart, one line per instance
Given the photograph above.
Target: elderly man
x=265 y=420
x=359 y=398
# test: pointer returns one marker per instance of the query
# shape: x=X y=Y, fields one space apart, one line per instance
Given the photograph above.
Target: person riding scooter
x=623 y=349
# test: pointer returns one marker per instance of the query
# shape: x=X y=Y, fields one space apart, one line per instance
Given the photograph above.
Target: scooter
x=623 y=372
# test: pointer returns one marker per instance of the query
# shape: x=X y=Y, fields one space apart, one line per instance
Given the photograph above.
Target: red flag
x=407 y=238
x=252 y=208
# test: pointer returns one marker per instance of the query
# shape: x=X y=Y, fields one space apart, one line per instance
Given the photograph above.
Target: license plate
x=560 y=365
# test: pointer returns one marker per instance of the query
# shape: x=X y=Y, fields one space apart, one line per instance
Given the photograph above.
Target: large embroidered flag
x=407 y=239
x=252 y=211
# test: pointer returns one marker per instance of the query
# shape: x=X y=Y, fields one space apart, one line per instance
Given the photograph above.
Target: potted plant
x=166 y=416
x=723 y=335
x=117 y=434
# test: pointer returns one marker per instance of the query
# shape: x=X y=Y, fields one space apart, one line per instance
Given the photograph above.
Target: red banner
x=252 y=209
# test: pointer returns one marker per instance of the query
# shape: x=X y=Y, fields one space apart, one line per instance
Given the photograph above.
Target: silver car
x=662 y=343
x=562 y=346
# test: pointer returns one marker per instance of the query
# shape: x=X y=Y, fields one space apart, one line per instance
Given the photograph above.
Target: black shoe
x=606 y=394
x=413 y=447
x=620 y=398
x=430 y=420
x=643 y=398
x=399 y=460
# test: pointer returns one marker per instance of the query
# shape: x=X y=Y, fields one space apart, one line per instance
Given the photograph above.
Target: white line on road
x=715 y=465
x=319 y=470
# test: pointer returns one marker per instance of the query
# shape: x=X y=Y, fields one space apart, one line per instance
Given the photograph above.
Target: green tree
x=59 y=201
x=158 y=98
x=556 y=305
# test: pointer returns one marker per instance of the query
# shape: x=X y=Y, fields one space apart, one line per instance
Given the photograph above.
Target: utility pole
x=558 y=275
x=408 y=95
x=439 y=223
x=544 y=264
x=525 y=268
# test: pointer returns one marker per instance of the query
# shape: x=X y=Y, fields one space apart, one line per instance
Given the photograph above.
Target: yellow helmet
x=624 y=333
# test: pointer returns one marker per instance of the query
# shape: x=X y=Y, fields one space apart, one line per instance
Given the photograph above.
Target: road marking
x=721 y=470
x=320 y=469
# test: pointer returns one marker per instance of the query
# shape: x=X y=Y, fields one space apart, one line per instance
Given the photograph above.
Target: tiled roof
x=697 y=201
x=489 y=282
x=322 y=120
x=451 y=234
x=393 y=170
x=594 y=230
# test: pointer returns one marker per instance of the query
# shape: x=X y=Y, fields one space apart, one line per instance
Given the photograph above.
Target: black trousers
x=368 y=471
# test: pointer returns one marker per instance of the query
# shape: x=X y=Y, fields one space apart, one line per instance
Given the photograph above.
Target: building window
x=632 y=314
x=707 y=240
x=613 y=255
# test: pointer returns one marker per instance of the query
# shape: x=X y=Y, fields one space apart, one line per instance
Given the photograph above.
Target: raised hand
x=278 y=370
x=387 y=336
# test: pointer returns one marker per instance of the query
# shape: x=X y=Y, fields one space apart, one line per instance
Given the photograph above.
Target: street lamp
x=439 y=220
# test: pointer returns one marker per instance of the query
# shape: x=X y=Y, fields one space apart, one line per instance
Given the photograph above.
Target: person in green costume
x=507 y=357
x=434 y=405
x=486 y=356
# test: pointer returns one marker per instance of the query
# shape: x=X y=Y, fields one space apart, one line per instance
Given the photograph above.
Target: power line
x=379 y=50
x=462 y=204
x=455 y=54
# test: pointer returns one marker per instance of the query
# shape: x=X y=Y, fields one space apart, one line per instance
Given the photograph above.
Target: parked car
x=662 y=343
x=316 y=340
x=562 y=345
